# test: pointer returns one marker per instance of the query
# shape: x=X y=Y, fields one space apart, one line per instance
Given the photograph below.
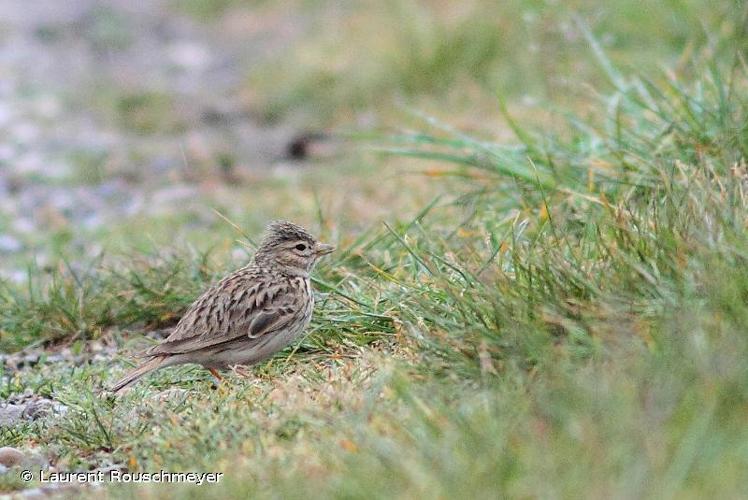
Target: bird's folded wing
x=229 y=311
x=272 y=319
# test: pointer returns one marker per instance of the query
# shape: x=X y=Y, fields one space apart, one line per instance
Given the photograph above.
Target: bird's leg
x=217 y=378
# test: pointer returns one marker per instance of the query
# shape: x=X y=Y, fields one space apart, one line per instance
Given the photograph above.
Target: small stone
x=10 y=414
x=10 y=457
x=38 y=408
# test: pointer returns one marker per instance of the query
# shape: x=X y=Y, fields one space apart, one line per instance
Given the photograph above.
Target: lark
x=250 y=314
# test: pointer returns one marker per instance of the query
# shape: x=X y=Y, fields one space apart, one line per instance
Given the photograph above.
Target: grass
x=373 y=56
x=566 y=319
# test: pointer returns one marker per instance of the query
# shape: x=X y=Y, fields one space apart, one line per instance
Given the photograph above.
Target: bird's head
x=291 y=248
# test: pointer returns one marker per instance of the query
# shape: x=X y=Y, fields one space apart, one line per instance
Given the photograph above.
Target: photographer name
x=117 y=476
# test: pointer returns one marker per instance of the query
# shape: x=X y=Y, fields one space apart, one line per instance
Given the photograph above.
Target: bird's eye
x=301 y=247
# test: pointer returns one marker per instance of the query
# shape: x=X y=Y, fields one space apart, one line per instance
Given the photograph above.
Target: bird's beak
x=323 y=248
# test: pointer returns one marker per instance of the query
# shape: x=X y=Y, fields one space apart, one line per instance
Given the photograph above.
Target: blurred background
x=124 y=123
x=540 y=288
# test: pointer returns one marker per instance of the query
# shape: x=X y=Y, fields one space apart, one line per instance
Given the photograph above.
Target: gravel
x=69 y=158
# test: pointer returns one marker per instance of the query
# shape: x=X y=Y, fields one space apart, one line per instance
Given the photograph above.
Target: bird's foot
x=242 y=371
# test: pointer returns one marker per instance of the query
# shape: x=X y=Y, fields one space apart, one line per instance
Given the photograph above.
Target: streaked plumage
x=250 y=314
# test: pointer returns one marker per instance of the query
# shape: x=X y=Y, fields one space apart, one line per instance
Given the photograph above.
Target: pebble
x=10 y=457
x=28 y=407
x=11 y=414
x=43 y=407
x=20 y=360
x=75 y=168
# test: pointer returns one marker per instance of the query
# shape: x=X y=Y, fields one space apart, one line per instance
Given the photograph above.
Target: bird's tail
x=150 y=365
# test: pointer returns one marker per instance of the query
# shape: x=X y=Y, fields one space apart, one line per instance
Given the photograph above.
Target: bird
x=250 y=314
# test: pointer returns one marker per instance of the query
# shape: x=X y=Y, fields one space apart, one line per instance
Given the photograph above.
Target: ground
x=540 y=288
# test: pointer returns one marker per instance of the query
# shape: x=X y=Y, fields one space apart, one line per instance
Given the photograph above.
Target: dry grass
x=559 y=316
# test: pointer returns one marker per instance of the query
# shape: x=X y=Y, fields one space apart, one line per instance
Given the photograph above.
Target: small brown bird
x=249 y=315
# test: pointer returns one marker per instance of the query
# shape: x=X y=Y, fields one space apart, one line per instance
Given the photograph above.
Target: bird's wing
x=239 y=305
